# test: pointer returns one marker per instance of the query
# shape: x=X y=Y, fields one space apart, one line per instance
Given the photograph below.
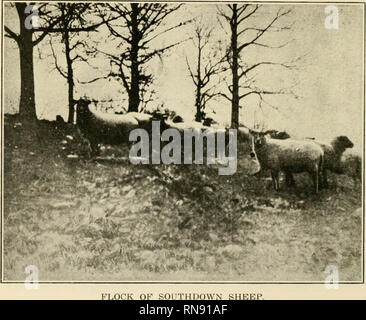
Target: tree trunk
x=71 y=116
x=27 y=106
x=234 y=69
x=70 y=79
x=134 y=93
x=198 y=104
x=199 y=83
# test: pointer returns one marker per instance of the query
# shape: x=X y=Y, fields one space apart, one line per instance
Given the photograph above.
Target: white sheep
x=100 y=127
x=289 y=156
x=332 y=158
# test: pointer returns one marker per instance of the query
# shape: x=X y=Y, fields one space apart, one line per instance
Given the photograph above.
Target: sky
x=328 y=79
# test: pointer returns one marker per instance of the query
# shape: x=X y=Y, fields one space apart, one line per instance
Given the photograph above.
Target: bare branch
x=223 y=14
x=254 y=66
x=124 y=78
x=47 y=30
x=248 y=15
x=77 y=44
x=10 y=34
x=98 y=78
x=58 y=68
x=261 y=32
x=271 y=46
x=191 y=73
x=259 y=92
x=146 y=57
x=224 y=95
x=144 y=43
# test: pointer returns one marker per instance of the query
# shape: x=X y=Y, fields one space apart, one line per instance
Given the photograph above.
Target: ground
x=107 y=219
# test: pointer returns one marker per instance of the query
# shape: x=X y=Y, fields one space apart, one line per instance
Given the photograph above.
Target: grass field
x=110 y=220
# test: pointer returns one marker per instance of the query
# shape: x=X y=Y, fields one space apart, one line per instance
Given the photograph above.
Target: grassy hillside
x=110 y=220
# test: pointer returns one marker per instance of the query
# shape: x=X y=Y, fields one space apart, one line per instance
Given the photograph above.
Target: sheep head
x=82 y=110
x=342 y=143
x=259 y=139
x=82 y=104
x=249 y=163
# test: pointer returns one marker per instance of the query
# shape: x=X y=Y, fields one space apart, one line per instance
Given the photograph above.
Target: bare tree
x=76 y=20
x=26 y=42
x=137 y=28
x=50 y=20
x=207 y=66
x=244 y=34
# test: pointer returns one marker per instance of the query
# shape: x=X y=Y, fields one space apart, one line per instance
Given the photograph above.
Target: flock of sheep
x=295 y=156
x=274 y=152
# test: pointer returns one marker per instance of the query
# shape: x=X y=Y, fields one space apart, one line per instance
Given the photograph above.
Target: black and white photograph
x=183 y=142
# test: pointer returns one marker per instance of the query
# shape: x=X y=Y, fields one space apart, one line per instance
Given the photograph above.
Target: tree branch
x=145 y=58
x=254 y=66
x=261 y=32
x=191 y=73
x=224 y=95
x=58 y=68
x=10 y=34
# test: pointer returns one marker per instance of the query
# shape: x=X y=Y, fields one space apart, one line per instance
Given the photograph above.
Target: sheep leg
x=92 y=146
x=324 y=179
x=94 y=149
x=315 y=176
x=275 y=179
x=287 y=178
x=290 y=181
x=277 y=176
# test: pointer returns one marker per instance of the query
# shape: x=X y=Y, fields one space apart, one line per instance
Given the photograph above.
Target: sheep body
x=289 y=156
x=293 y=155
x=333 y=153
x=332 y=158
x=100 y=127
